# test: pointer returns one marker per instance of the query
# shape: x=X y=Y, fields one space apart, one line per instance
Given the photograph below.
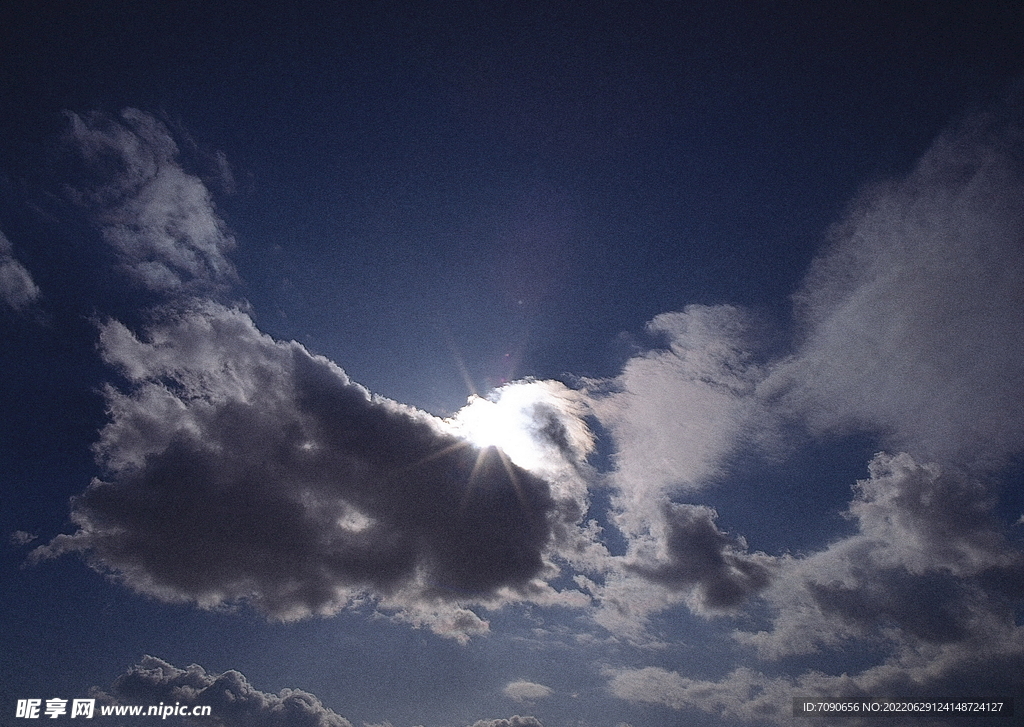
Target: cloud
x=929 y=565
x=242 y=468
x=239 y=468
x=20 y=537
x=675 y=413
x=697 y=554
x=17 y=288
x=514 y=721
x=743 y=694
x=939 y=675
x=523 y=691
x=910 y=331
x=929 y=581
x=158 y=218
x=233 y=701
x=911 y=316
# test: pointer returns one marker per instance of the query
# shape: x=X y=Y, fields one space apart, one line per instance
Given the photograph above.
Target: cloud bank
x=234 y=702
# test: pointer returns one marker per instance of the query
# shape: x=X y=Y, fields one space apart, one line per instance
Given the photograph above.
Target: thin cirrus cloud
x=912 y=331
x=239 y=468
x=159 y=219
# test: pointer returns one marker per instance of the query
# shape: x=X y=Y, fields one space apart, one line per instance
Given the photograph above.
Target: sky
x=512 y=364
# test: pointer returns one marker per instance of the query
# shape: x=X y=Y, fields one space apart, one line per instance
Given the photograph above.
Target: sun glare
x=503 y=420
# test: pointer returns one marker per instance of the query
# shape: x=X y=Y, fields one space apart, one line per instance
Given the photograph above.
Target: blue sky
x=511 y=364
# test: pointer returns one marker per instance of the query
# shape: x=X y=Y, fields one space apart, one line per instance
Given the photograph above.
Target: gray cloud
x=697 y=554
x=928 y=565
x=913 y=314
x=929 y=580
x=241 y=468
x=514 y=721
x=159 y=219
x=233 y=701
x=238 y=468
x=17 y=288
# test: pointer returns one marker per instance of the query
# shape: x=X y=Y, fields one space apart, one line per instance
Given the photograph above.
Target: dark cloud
x=241 y=468
x=238 y=468
x=233 y=701
x=701 y=556
x=931 y=607
x=17 y=288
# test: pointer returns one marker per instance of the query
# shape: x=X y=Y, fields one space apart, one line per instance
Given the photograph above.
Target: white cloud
x=524 y=691
x=913 y=314
x=159 y=219
x=514 y=721
x=233 y=701
x=911 y=330
x=17 y=288
x=675 y=413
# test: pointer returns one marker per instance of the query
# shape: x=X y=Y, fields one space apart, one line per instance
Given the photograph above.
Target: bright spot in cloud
x=524 y=691
x=527 y=420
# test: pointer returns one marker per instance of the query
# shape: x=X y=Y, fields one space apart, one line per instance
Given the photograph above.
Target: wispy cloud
x=158 y=218
x=912 y=330
x=17 y=288
x=913 y=314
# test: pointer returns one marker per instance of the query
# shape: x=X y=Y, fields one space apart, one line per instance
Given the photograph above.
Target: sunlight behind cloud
x=532 y=422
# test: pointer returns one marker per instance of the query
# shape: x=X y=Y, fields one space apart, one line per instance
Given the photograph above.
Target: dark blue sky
x=746 y=246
